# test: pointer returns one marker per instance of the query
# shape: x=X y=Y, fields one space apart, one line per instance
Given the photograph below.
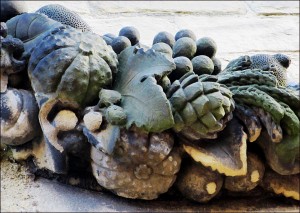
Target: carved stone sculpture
x=124 y=118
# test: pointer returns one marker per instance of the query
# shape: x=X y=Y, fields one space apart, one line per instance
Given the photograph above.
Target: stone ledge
x=104 y=8
x=268 y=8
x=19 y=192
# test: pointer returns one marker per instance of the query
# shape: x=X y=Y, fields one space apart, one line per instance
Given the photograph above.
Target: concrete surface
x=239 y=28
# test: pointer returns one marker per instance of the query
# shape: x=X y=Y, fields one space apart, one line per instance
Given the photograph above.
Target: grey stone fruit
x=206 y=46
x=185 y=33
x=164 y=37
x=131 y=33
x=120 y=43
x=183 y=66
x=184 y=47
x=202 y=65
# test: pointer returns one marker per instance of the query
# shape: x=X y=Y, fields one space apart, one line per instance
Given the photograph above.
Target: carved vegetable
x=67 y=60
x=250 y=120
x=69 y=68
x=255 y=174
x=226 y=154
x=276 y=107
x=287 y=185
x=197 y=182
x=200 y=108
x=282 y=157
x=142 y=165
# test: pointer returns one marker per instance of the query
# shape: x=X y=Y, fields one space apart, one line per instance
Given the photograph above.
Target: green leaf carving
x=143 y=100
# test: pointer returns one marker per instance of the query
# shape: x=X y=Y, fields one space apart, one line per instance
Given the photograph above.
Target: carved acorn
x=142 y=165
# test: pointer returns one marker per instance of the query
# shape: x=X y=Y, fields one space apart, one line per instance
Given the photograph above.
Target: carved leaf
x=143 y=100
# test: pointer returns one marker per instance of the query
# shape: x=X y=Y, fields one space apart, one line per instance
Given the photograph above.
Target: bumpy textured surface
x=277 y=63
x=276 y=107
x=260 y=88
x=65 y=16
x=200 y=108
x=71 y=65
x=248 y=76
x=142 y=166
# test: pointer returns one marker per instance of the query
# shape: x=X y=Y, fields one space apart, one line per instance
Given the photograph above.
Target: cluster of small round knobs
x=189 y=54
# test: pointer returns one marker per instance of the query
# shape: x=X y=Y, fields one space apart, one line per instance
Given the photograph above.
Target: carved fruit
x=185 y=33
x=131 y=33
x=255 y=173
x=65 y=16
x=164 y=37
x=19 y=117
x=226 y=154
x=197 y=182
x=184 y=47
x=71 y=65
x=287 y=185
x=142 y=165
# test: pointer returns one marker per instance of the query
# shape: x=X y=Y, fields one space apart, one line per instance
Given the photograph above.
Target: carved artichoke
x=200 y=108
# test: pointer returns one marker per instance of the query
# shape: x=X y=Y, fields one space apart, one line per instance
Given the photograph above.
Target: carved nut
x=65 y=120
x=92 y=120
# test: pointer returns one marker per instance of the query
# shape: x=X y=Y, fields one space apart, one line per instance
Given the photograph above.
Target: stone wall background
x=238 y=27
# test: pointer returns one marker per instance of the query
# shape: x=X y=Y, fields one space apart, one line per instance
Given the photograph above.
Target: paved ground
x=238 y=27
